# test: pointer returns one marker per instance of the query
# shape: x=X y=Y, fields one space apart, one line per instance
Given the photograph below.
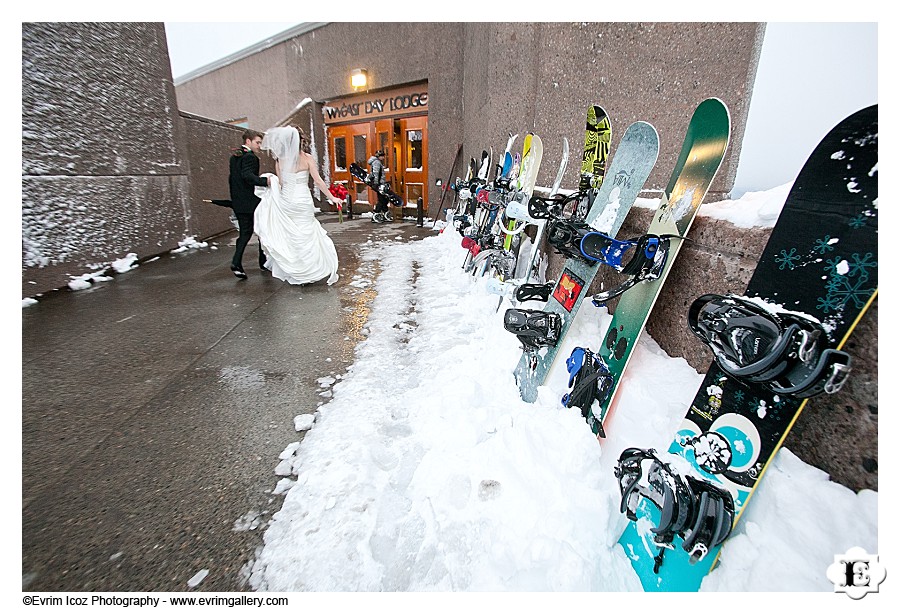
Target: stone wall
x=110 y=166
x=210 y=144
x=837 y=433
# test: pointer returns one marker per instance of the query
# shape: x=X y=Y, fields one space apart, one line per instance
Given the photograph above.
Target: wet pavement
x=155 y=405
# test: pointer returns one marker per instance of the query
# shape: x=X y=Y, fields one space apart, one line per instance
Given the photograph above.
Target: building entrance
x=394 y=120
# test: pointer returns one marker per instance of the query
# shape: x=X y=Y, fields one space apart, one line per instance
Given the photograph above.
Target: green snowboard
x=701 y=155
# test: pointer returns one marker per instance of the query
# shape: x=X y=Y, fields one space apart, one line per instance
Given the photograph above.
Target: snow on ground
x=426 y=472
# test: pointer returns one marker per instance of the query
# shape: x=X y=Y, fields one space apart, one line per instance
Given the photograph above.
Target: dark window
x=359 y=149
x=340 y=154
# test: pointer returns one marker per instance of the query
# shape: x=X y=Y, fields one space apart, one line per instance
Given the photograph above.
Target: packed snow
x=434 y=475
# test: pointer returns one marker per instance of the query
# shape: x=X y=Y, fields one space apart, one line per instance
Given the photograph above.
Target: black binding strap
x=785 y=351
x=698 y=511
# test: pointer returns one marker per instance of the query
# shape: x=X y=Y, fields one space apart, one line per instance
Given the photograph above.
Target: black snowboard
x=821 y=261
x=359 y=172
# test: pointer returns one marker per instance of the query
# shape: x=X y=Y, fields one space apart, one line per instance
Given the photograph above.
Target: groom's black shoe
x=238 y=272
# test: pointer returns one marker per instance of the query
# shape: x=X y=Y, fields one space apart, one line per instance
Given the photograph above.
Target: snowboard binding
x=565 y=236
x=503 y=262
x=471 y=244
x=531 y=292
x=646 y=264
x=589 y=380
x=697 y=511
x=461 y=222
x=533 y=328
x=786 y=351
x=489 y=200
x=551 y=208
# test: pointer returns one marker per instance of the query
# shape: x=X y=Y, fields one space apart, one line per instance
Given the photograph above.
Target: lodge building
x=434 y=86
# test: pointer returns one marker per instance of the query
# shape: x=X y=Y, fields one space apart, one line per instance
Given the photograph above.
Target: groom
x=243 y=177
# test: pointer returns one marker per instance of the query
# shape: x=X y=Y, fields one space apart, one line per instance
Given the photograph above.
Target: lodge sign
x=376 y=106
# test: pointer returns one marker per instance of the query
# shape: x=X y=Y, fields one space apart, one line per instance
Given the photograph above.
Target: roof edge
x=262 y=45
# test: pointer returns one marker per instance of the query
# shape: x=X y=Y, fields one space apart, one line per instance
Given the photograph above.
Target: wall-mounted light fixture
x=359 y=78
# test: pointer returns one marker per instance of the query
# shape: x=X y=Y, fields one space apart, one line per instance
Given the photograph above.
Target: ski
x=775 y=347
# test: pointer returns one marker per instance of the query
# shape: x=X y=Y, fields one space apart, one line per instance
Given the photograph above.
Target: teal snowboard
x=631 y=165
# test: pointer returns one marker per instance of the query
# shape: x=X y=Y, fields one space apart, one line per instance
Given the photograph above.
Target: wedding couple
x=293 y=245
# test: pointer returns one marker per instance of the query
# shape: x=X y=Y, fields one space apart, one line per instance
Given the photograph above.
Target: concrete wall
x=542 y=78
x=109 y=164
x=488 y=79
x=210 y=144
x=104 y=156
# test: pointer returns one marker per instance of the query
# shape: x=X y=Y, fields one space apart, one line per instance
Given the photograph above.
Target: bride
x=297 y=248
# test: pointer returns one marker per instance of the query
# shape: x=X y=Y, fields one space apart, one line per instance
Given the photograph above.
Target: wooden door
x=350 y=143
x=383 y=140
x=411 y=147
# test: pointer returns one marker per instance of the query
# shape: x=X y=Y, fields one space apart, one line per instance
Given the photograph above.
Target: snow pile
x=83 y=282
x=759 y=209
x=189 y=243
x=426 y=471
x=125 y=264
x=753 y=209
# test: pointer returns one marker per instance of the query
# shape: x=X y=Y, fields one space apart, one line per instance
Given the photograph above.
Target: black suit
x=243 y=177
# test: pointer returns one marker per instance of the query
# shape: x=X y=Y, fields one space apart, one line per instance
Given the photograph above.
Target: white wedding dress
x=297 y=248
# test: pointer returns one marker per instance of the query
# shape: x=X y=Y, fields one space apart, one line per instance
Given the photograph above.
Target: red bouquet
x=338 y=190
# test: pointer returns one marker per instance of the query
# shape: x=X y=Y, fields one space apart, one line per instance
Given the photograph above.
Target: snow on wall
x=104 y=164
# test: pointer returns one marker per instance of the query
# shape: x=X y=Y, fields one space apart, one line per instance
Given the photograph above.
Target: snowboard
x=820 y=260
x=505 y=165
x=531 y=262
x=701 y=155
x=484 y=168
x=483 y=205
x=526 y=263
x=532 y=153
x=596 y=148
x=630 y=167
x=597 y=136
x=501 y=261
x=360 y=173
